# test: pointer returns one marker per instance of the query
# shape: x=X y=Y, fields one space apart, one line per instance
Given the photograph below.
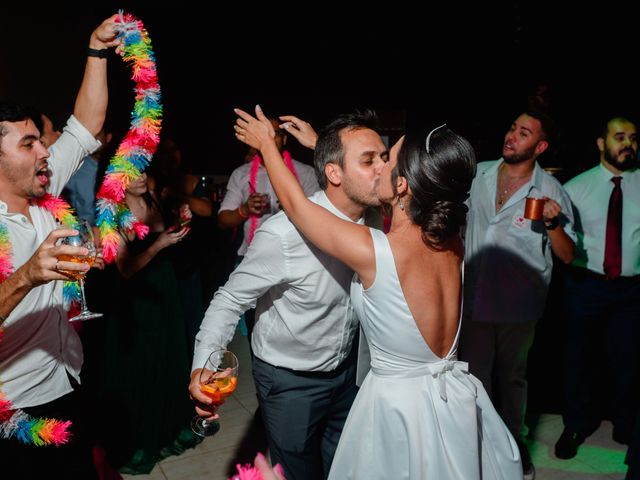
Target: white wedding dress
x=417 y=416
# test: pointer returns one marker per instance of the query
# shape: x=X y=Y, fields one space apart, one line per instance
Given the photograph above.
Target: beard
x=360 y=195
x=625 y=160
x=22 y=182
x=37 y=193
x=515 y=158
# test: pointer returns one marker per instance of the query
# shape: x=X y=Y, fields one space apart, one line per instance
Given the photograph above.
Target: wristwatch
x=552 y=224
x=102 y=53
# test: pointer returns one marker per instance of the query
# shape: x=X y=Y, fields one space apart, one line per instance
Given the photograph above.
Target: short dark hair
x=329 y=148
x=604 y=129
x=39 y=121
x=548 y=124
x=440 y=180
x=12 y=112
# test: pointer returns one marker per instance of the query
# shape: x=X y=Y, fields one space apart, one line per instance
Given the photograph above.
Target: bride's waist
x=443 y=372
x=418 y=369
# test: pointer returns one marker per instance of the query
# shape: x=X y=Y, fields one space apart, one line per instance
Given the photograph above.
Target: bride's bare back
x=431 y=283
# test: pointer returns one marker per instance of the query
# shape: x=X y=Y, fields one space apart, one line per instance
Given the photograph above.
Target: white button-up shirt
x=590 y=193
x=238 y=192
x=508 y=258
x=304 y=317
x=39 y=344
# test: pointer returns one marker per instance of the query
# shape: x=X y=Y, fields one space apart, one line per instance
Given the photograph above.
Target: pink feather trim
x=253 y=178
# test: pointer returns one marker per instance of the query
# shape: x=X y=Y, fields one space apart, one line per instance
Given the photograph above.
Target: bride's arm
x=349 y=242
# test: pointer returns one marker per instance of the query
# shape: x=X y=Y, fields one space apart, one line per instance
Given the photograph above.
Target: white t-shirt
x=238 y=192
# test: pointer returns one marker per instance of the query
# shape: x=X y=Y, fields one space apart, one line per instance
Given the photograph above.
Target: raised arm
x=348 y=242
x=91 y=103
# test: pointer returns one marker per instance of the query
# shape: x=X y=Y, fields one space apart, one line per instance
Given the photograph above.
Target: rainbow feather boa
x=140 y=143
x=133 y=155
x=14 y=422
x=63 y=213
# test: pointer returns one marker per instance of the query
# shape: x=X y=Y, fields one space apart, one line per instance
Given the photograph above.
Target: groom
x=304 y=364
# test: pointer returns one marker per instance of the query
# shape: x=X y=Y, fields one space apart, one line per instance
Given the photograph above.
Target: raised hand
x=104 y=35
x=257 y=132
x=300 y=130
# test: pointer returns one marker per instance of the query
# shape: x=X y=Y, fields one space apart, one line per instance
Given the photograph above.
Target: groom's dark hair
x=329 y=148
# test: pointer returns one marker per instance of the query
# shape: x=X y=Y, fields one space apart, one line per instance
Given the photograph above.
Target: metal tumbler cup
x=533 y=208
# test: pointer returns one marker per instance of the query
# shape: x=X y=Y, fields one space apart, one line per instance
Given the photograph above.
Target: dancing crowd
x=390 y=295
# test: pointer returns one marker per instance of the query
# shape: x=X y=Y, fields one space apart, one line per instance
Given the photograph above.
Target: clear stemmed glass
x=83 y=239
x=218 y=380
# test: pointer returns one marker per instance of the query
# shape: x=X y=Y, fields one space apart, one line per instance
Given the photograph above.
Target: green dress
x=141 y=366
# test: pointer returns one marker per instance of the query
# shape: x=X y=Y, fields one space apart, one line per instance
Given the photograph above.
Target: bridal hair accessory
x=136 y=150
x=431 y=133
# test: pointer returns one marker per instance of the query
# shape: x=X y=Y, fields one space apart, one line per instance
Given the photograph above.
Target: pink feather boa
x=253 y=178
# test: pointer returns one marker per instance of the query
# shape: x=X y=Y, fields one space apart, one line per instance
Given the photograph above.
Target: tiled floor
x=240 y=437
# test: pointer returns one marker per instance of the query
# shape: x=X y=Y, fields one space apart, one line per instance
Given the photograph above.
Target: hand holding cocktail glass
x=83 y=239
x=210 y=386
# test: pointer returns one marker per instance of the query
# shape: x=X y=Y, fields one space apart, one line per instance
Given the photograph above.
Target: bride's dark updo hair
x=439 y=166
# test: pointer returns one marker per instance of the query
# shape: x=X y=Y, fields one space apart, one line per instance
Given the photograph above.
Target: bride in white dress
x=419 y=413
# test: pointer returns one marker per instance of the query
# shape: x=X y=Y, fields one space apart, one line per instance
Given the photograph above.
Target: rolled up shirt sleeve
x=67 y=152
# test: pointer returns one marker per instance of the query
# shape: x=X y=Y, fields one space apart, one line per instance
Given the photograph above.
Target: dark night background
x=471 y=66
